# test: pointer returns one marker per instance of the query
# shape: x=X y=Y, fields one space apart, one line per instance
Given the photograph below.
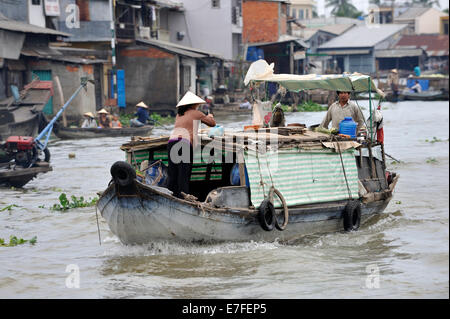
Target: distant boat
x=423 y=96
x=81 y=133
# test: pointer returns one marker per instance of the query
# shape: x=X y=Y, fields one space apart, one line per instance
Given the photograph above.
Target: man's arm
x=327 y=119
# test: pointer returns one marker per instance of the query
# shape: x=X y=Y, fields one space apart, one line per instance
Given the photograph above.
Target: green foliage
x=434 y=140
x=326 y=131
x=9 y=207
x=154 y=119
x=14 y=241
x=311 y=106
x=304 y=107
x=343 y=8
x=432 y=160
x=65 y=204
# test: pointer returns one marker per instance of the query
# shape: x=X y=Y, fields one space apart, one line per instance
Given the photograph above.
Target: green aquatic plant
x=435 y=140
x=14 y=241
x=77 y=202
x=311 y=106
x=9 y=207
x=432 y=160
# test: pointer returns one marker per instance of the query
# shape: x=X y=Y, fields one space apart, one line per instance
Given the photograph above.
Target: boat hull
x=20 y=177
x=154 y=215
x=81 y=133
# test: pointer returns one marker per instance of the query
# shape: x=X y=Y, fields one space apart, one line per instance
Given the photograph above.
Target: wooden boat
x=24 y=117
x=292 y=181
x=423 y=96
x=227 y=109
x=80 y=133
x=17 y=176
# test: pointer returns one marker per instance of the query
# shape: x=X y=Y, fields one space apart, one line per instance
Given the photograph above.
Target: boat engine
x=22 y=149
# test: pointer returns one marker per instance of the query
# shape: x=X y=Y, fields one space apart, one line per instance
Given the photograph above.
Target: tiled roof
x=434 y=45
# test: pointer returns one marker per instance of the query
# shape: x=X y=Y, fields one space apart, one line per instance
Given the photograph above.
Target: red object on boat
x=380 y=135
x=21 y=143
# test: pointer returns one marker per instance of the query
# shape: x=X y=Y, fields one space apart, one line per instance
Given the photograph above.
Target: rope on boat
x=343 y=168
x=98 y=226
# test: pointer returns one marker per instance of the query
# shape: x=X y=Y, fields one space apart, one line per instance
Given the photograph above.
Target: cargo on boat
x=272 y=183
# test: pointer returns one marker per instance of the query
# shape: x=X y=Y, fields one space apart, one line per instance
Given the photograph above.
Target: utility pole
x=112 y=5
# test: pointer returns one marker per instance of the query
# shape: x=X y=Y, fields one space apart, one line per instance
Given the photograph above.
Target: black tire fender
x=266 y=215
x=352 y=215
x=123 y=173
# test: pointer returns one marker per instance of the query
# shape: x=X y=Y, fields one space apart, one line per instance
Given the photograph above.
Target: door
x=46 y=75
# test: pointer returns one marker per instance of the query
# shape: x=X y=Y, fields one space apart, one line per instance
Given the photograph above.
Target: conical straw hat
x=142 y=104
x=89 y=114
x=190 y=98
x=103 y=111
x=394 y=71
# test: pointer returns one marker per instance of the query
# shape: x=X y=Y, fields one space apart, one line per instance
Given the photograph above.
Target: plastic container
x=348 y=127
x=235 y=178
x=216 y=131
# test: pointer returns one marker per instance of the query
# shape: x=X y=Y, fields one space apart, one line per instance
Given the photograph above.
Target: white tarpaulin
x=261 y=71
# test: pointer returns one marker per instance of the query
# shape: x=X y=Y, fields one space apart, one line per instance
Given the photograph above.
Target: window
x=294 y=13
x=301 y=14
x=36 y=2
x=215 y=4
x=306 y=13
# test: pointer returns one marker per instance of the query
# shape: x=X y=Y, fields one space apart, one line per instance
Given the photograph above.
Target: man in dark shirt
x=142 y=115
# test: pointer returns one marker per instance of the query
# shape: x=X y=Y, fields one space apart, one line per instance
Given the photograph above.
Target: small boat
x=22 y=115
x=227 y=109
x=80 y=133
x=423 y=96
x=22 y=158
x=18 y=176
x=260 y=185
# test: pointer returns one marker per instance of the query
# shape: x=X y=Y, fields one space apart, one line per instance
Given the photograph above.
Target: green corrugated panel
x=303 y=177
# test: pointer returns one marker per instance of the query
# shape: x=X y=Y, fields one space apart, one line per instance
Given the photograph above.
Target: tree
x=343 y=8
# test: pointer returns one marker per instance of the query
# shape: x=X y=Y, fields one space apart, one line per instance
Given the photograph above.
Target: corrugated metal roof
x=13 y=25
x=433 y=44
x=282 y=40
x=398 y=53
x=302 y=177
x=363 y=36
x=412 y=13
x=180 y=49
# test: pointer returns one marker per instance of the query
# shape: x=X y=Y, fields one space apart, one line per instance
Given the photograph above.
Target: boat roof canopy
x=260 y=71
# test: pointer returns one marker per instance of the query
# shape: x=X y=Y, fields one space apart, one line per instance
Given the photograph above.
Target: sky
x=362 y=5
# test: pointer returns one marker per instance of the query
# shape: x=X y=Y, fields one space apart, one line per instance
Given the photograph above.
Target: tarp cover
x=261 y=71
x=302 y=177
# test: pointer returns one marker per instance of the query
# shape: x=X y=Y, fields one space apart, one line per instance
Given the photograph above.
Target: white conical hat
x=89 y=114
x=103 y=111
x=190 y=98
x=142 y=104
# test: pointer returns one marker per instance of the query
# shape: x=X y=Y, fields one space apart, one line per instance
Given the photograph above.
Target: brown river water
x=403 y=253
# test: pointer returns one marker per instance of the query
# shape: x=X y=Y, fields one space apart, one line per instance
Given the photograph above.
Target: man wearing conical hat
x=182 y=141
x=103 y=120
x=392 y=82
x=142 y=115
x=89 y=120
